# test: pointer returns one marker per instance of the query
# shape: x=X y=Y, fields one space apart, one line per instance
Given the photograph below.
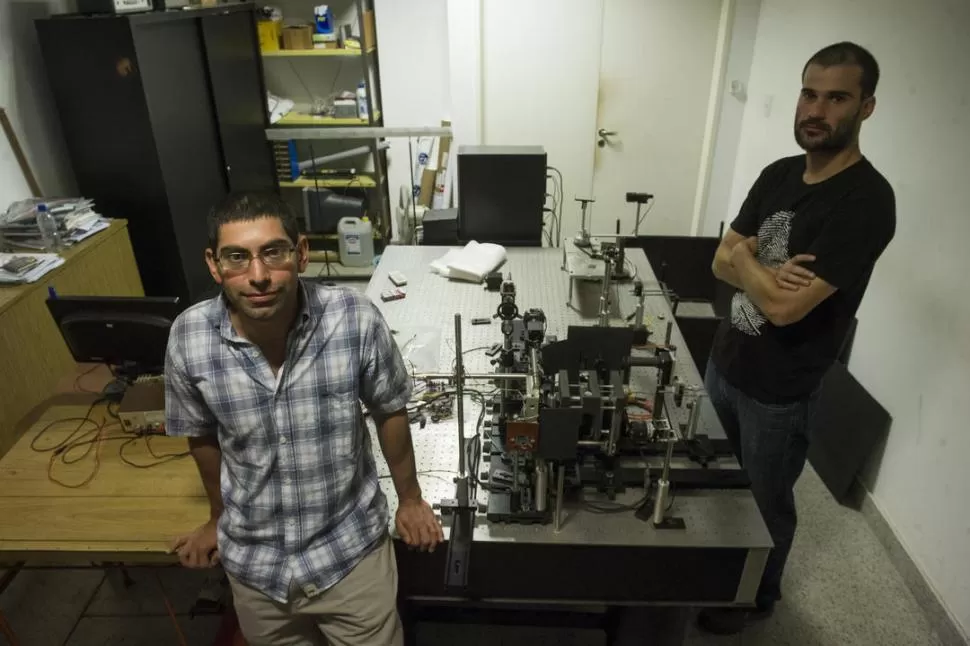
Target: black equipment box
x=501 y=193
x=440 y=227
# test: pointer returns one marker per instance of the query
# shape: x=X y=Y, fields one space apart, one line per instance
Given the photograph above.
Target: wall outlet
x=738 y=91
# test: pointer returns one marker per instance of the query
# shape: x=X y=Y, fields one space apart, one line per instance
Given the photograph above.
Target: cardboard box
x=298 y=37
x=442 y=194
x=370 y=30
x=427 y=187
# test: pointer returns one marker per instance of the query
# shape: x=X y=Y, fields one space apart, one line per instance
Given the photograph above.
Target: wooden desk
x=123 y=514
x=33 y=351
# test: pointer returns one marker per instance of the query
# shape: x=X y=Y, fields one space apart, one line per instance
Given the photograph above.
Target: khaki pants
x=361 y=610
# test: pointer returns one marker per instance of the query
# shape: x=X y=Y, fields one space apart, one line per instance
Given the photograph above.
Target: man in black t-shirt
x=800 y=252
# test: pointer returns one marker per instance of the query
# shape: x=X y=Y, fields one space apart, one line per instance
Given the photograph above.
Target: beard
x=830 y=141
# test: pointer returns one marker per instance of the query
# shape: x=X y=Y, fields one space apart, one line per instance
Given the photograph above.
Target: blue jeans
x=770 y=441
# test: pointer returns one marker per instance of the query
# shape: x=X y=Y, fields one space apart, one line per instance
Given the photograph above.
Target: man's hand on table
x=198 y=549
x=417 y=525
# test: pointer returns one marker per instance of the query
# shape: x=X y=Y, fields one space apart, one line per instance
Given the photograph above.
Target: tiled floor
x=841 y=590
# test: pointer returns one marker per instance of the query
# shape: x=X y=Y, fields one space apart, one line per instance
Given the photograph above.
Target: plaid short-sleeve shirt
x=298 y=478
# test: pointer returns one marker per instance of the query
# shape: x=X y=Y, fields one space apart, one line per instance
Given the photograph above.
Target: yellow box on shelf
x=360 y=181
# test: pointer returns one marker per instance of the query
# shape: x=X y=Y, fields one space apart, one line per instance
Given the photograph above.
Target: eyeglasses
x=271 y=257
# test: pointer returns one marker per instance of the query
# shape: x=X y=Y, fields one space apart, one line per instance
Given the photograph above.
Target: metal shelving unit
x=373 y=182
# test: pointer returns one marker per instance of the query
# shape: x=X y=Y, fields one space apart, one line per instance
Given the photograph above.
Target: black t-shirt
x=846 y=223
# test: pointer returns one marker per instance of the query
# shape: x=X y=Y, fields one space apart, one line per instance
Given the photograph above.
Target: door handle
x=604 y=136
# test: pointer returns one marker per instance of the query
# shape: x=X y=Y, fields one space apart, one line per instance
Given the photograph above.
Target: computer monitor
x=128 y=333
x=501 y=193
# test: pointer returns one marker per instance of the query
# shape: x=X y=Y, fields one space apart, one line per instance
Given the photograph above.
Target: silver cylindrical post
x=560 y=485
x=695 y=416
x=604 y=318
x=542 y=484
x=668 y=457
x=638 y=318
x=660 y=502
x=460 y=396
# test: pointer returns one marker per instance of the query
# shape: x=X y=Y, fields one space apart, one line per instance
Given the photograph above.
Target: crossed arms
x=785 y=294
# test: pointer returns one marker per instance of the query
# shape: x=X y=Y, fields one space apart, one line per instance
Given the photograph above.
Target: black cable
x=587 y=252
x=610 y=507
x=473 y=457
x=552 y=227
x=300 y=79
x=414 y=198
x=560 y=201
x=643 y=216
x=464 y=352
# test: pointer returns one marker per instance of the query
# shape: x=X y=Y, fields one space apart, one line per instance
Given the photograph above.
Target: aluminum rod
x=470 y=376
x=286 y=133
x=346 y=154
x=460 y=396
x=560 y=485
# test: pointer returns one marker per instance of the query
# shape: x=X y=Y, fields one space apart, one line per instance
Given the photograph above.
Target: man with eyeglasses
x=266 y=381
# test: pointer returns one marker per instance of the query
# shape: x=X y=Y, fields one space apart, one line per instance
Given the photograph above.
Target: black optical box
x=440 y=227
x=501 y=193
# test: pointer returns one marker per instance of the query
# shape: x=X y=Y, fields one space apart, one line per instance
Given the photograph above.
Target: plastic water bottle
x=48 y=229
x=361 y=100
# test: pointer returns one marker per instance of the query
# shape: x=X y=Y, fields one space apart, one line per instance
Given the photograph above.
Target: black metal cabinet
x=163 y=114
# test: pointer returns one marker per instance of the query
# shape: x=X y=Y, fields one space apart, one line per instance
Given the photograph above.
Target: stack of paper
x=472 y=263
x=278 y=107
x=45 y=263
x=75 y=218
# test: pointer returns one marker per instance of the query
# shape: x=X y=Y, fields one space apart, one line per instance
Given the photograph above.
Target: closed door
x=657 y=66
x=540 y=69
x=555 y=72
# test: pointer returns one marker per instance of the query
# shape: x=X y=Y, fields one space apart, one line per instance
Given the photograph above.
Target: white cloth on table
x=472 y=263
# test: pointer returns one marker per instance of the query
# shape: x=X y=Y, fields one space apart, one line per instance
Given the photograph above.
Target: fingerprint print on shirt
x=772 y=251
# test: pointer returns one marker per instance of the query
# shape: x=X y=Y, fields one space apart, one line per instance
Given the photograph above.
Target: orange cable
x=7 y=632
x=171 y=613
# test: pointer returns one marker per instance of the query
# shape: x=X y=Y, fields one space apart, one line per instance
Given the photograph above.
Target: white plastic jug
x=355 y=241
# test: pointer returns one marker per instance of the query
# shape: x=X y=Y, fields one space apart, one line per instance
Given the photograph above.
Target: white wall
x=412 y=41
x=465 y=70
x=744 y=27
x=26 y=96
x=911 y=350
x=540 y=78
